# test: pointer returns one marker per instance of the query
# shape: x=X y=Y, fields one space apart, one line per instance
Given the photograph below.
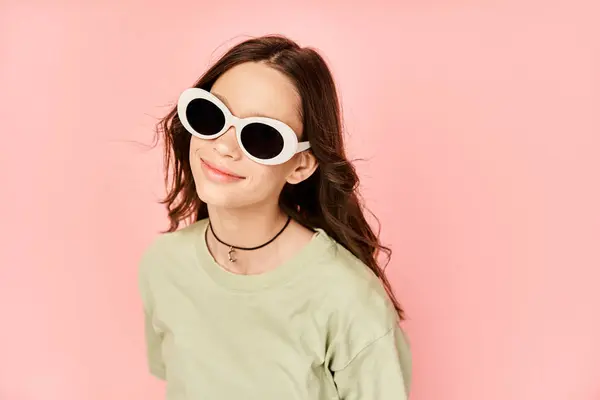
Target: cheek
x=198 y=147
x=194 y=160
x=197 y=144
x=266 y=178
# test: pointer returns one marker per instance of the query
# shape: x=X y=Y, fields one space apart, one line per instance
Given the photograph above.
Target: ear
x=306 y=164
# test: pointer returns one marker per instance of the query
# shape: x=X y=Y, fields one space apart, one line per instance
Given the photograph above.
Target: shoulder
x=357 y=307
x=169 y=248
x=352 y=285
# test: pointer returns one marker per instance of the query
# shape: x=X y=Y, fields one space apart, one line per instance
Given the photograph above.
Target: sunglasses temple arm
x=302 y=146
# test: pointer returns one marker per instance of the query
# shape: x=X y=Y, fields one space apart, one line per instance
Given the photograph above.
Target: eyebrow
x=252 y=114
x=222 y=98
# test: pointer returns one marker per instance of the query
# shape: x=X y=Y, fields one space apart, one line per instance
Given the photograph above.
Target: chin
x=244 y=194
x=219 y=198
x=223 y=197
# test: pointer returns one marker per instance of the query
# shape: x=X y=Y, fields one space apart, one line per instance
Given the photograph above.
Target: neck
x=246 y=227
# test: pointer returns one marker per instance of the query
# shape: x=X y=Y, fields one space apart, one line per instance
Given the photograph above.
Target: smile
x=219 y=174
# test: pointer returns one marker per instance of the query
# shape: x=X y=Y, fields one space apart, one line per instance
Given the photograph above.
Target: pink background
x=480 y=122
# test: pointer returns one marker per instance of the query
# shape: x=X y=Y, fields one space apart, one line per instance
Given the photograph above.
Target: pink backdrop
x=480 y=122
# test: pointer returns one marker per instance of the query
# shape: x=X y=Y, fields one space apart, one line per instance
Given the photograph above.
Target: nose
x=227 y=146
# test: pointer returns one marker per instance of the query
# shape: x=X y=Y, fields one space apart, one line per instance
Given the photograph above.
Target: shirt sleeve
x=153 y=348
x=380 y=371
x=153 y=337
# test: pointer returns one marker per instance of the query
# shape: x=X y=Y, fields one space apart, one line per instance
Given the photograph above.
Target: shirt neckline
x=256 y=282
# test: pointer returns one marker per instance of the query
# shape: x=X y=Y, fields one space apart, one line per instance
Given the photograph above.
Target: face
x=224 y=175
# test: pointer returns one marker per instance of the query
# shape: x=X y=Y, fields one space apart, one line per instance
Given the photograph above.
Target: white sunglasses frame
x=291 y=146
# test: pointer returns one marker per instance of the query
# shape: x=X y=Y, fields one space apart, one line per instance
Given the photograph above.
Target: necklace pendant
x=231 y=254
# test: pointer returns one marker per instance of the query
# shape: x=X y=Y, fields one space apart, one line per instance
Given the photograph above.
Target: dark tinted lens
x=262 y=141
x=205 y=117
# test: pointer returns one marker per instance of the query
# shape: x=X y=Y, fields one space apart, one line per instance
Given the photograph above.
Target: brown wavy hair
x=329 y=198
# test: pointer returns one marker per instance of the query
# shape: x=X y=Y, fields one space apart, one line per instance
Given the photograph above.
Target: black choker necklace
x=232 y=248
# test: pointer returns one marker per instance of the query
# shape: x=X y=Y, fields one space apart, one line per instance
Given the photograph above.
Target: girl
x=273 y=291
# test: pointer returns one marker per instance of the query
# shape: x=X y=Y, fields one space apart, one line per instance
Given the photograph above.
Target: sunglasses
x=264 y=140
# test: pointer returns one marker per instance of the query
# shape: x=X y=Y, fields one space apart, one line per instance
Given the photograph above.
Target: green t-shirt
x=318 y=327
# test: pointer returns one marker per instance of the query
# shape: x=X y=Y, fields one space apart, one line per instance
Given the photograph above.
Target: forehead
x=252 y=89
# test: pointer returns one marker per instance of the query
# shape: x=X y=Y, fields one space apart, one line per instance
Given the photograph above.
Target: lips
x=220 y=170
